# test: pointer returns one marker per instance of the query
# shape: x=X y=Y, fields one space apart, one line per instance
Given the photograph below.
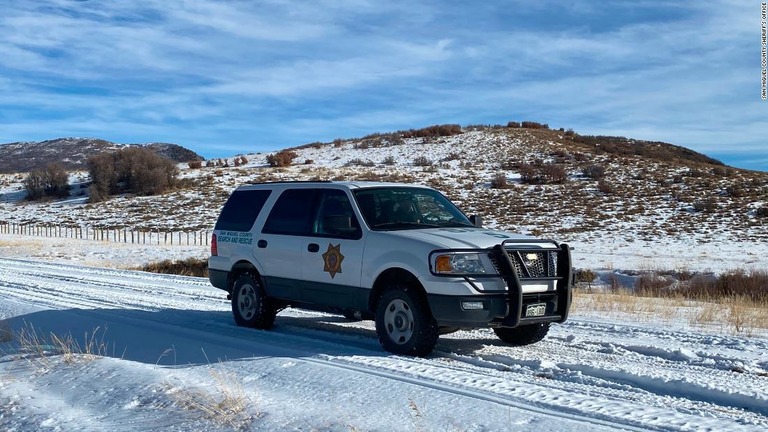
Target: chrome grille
x=531 y=264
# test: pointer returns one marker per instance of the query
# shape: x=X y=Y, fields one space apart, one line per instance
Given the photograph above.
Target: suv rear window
x=241 y=210
x=293 y=213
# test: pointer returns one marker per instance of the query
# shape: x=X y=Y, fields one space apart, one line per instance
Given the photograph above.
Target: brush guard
x=513 y=267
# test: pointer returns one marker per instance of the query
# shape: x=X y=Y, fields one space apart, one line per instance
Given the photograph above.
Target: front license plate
x=536 y=310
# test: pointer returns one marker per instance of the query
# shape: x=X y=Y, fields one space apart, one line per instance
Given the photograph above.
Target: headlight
x=458 y=263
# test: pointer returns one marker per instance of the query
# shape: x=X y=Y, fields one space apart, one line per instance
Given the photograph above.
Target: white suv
x=401 y=254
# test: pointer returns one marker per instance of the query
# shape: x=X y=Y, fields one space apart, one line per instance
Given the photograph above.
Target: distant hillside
x=72 y=153
x=554 y=183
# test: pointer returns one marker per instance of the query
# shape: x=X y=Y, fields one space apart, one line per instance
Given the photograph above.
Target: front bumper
x=508 y=308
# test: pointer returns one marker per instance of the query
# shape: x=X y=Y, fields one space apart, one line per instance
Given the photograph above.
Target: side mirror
x=476 y=220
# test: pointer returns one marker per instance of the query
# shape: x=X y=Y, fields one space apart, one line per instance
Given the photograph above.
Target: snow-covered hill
x=659 y=209
x=72 y=153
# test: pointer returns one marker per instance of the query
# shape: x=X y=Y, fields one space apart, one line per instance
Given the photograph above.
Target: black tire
x=250 y=305
x=404 y=323
x=523 y=335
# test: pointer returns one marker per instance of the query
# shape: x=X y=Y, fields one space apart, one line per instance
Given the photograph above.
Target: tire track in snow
x=573 y=375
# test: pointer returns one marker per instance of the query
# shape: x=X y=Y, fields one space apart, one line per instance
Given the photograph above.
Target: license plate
x=535 y=310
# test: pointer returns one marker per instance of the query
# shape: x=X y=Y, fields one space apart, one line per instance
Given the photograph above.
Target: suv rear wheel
x=250 y=305
x=523 y=335
x=404 y=324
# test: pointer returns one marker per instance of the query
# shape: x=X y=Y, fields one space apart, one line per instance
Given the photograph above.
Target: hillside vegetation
x=72 y=153
x=526 y=179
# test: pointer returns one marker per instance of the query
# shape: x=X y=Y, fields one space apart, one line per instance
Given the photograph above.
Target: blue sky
x=230 y=77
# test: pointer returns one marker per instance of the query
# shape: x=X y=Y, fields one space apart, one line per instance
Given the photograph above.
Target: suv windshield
x=392 y=208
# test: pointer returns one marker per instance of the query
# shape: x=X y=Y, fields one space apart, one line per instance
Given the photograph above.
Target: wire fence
x=180 y=238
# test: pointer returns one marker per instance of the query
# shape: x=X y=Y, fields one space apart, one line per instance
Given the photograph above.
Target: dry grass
x=226 y=403
x=735 y=302
x=732 y=315
x=416 y=416
x=23 y=242
x=39 y=349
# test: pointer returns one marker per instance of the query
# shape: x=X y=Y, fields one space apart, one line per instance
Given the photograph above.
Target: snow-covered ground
x=169 y=357
x=159 y=352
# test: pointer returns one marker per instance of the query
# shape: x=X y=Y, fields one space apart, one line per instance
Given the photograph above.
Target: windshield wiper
x=457 y=224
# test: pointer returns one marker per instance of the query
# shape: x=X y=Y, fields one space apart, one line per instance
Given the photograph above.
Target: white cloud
x=168 y=67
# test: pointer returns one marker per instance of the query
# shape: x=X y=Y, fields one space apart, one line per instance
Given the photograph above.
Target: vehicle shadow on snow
x=461 y=342
x=175 y=337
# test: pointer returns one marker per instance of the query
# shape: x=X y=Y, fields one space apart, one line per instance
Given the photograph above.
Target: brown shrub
x=605 y=187
x=360 y=162
x=736 y=283
x=187 y=267
x=553 y=174
x=652 y=285
x=499 y=181
x=510 y=164
x=422 y=161
x=534 y=125
x=528 y=173
x=282 y=158
x=707 y=205
x=51 y=181
x=432 y=131
x=735 y=191
x=195 y=164
x=513 y=124
x=135 y=170
x=595 y=172
x=721 y=172
x=542 y=173
x=585 y=276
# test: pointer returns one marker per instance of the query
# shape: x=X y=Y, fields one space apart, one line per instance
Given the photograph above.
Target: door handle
x=313 y=247
x=261 y=243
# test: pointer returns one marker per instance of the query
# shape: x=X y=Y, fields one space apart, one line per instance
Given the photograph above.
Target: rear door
x=282 y=239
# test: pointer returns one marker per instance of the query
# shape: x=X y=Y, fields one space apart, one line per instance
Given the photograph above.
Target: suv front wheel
x=250 y=305
x=404 y=324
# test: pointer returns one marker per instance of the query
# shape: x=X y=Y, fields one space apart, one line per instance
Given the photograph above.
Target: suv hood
x=463 y=238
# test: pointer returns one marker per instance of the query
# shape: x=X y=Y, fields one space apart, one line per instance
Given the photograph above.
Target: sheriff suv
x=402 y=255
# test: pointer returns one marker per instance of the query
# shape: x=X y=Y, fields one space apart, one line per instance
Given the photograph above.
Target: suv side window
x=292 y=213
x=336 y=218
x=241 y=209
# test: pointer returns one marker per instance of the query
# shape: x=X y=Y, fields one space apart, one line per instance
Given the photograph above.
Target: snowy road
x=588 y=374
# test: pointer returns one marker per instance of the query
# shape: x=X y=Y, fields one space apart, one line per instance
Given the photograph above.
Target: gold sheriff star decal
x=332 y=259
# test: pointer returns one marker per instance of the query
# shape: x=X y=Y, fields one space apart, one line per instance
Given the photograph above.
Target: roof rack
x=292 y=181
